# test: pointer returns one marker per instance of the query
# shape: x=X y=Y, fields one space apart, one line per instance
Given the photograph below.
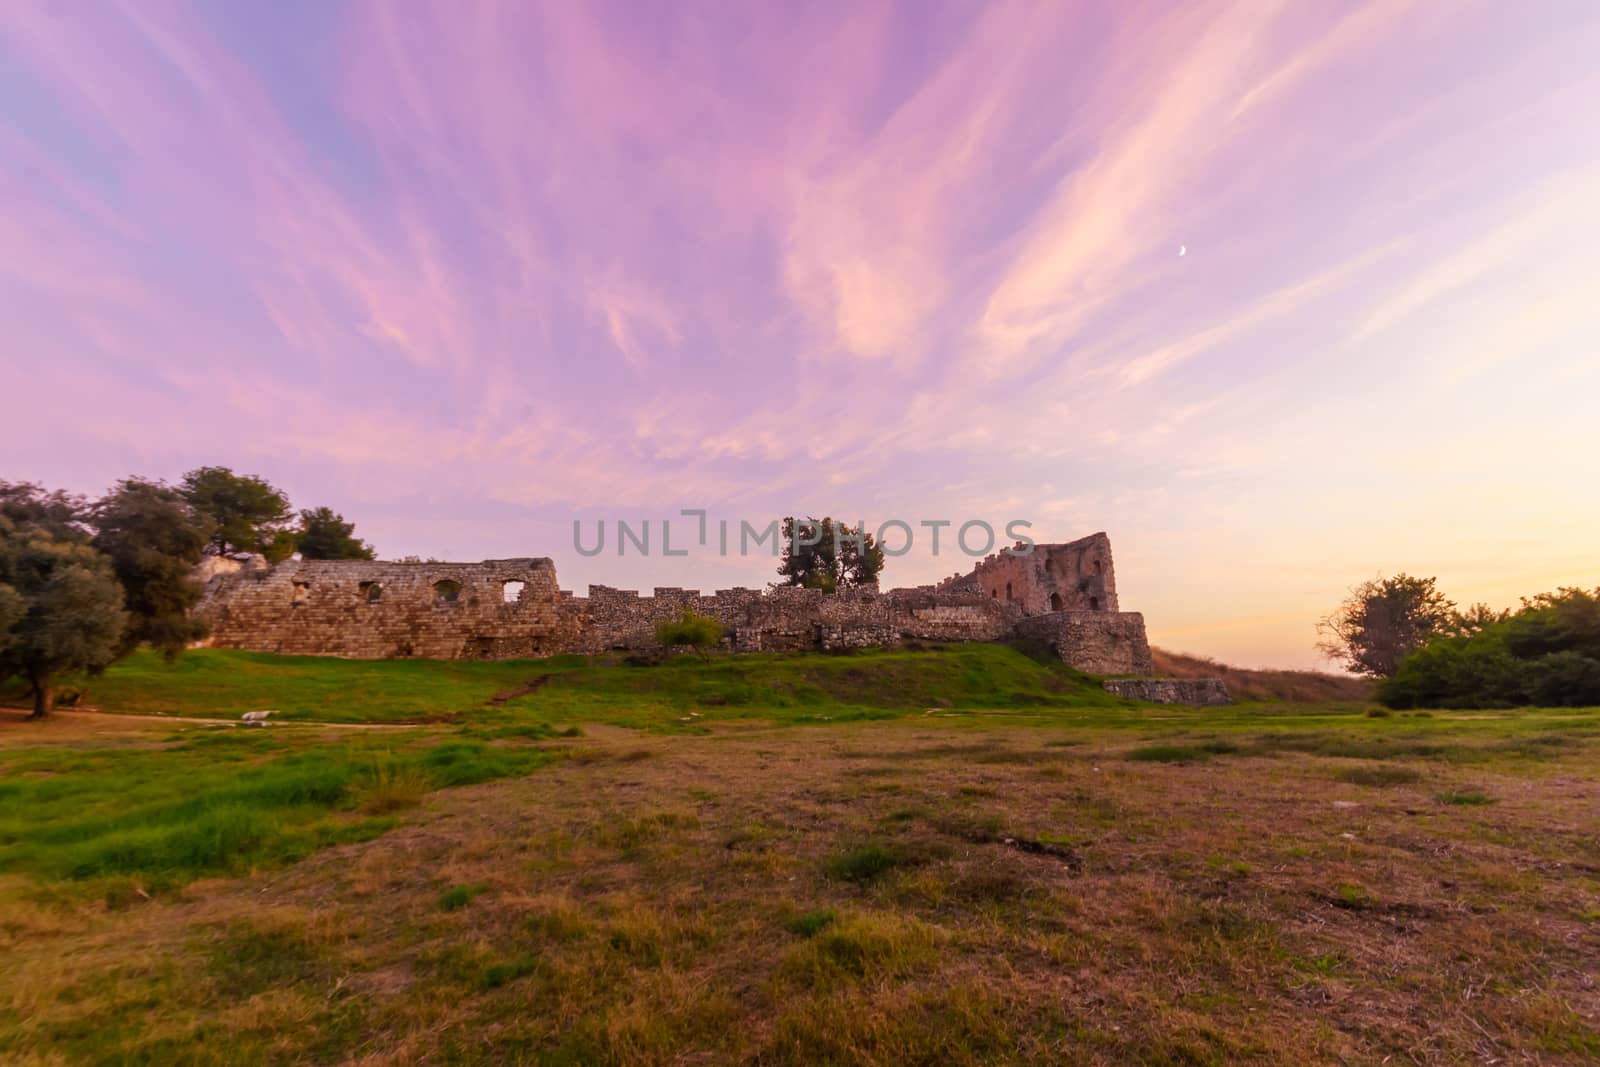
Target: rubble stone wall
x=1098 y=642
x=1076 y=576
x=1063 y=595
x=504 y=609
x=1199 y=692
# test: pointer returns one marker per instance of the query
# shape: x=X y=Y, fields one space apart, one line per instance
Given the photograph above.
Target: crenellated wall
x=1064 y=595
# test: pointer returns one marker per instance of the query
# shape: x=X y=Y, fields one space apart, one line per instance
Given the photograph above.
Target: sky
x=1282 y=296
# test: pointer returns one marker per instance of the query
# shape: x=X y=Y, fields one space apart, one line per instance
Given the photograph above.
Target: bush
x=1548 y=653
x=1564 y=680
x=1457 y=672
x=697 y=631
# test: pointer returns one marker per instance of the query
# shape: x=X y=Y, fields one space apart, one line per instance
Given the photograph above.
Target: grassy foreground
x=957 y=856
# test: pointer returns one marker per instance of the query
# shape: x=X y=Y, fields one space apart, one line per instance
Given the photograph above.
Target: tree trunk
x=44 y=697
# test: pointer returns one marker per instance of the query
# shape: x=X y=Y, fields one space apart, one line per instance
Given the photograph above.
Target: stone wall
x=1098 y=642
x=1200 y=692
x=497 y=609
x=1062 y=595
x=1076 y=576
x=502 y=609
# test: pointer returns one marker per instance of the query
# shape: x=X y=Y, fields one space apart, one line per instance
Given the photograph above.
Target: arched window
x=1049 y=566
x=1094 y=603
x=1055 y=601
x=372 y=592
x=446 y=590
x=302 y=593
x=1098 y=567
x=995 y=593
x=511 y=591
x=1008 y=590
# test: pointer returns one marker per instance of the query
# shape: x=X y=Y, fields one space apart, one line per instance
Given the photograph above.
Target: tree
x=64 y=604
x=699 y=632
x=153 y=539
x=1476 y=619
x=1383 y=621
x=325 y=535
x=247 y=513
x=29 y=504
x=827 y=555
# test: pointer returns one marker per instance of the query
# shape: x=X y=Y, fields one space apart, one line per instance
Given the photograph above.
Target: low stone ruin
x=1062 y=595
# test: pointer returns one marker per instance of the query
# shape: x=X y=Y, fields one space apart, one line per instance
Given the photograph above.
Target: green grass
x=217 y=801
x=1378 y=776
x=458 y=897
x=223 y=800
x=218 y=683
x=1465 y=797
x=811 y=923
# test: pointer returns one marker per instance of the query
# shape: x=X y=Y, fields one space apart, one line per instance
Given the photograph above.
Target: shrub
x=697 y=631
x=1548 y=653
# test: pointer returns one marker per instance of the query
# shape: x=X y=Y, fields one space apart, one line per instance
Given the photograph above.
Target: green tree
x=64 y=605
x=247 y=513
x=325 y=535
x=153 y=539
x=30 y=504
x=828 y=555
x=697 y=631
x=1383 y=621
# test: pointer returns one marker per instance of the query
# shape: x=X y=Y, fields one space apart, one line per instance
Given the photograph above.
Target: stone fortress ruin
x=1061 y=596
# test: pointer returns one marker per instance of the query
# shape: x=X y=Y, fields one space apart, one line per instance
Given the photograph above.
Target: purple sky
x=468 y=271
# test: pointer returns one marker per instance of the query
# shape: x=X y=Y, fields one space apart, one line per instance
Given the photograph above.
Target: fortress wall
x=460 y=611
x=1099 y=642
x=1076 y=576
x=375 y=610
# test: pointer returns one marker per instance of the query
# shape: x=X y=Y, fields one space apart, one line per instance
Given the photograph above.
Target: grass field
x=942 y=856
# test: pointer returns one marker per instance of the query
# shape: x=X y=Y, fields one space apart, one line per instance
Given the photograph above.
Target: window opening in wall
x=1055 y=601
x=511 y=591
x=302 y=592
x=371 y=592
x=1094 y=603
x=1008 y=590
x=1049 y=566
x=1097 y=567
x=447 y=590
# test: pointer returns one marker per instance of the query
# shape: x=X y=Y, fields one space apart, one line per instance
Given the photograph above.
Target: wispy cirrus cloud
x=521 y=260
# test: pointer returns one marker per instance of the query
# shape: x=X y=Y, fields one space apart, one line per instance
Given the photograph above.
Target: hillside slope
x=1291 y=686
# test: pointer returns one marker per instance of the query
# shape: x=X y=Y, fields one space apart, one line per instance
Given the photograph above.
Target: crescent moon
x=1183 y=249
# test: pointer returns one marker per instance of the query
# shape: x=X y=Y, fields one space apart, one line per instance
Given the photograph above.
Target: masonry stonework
x=1063 y=595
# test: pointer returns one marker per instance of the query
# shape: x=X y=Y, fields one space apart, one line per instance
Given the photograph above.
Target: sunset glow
x=470 y=272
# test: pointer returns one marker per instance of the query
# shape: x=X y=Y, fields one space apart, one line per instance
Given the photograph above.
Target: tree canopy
x=247 y=513
x=326 y=535
x=1384 y=620
x=153 y=539
x=828 y=555
x=62 y=605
